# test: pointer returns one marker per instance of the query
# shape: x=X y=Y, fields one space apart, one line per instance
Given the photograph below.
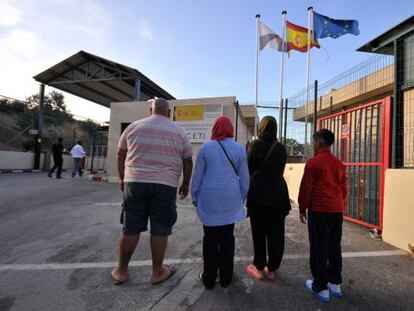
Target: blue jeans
x=77 y=167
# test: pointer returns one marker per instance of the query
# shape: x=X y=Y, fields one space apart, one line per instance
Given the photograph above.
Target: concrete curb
x=98 y=178
x=9 y=171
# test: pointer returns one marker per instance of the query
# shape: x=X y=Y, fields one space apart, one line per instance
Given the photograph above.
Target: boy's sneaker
x=323 y=295
x=335 y=289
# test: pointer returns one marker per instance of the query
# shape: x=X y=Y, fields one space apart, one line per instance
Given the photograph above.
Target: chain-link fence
x=404 y=108
x=358 y=85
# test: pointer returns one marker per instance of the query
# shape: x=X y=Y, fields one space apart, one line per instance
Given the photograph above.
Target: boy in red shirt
x=322 y=193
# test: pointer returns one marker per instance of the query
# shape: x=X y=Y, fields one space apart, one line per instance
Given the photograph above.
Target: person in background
x=219 y=189
x=268 y=200
x=77 y=153
x=322 y=193
x=57 y=152
x=152 y=153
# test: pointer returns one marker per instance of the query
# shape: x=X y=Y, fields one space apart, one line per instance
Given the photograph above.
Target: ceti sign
x=197 y=121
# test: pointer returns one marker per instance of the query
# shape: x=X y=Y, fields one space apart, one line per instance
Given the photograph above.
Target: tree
x=55 y=112
x=12 y=106
x=90 y=127
x=294 y=147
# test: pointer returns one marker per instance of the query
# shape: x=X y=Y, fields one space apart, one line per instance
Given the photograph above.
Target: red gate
x=362 y=142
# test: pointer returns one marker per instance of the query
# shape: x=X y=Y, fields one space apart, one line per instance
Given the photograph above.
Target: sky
x=191 y=48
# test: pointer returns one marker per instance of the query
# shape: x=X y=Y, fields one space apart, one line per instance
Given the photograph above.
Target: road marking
x=119 y=204
x=146 y=263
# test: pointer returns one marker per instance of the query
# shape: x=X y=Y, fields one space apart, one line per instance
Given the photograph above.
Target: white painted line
x=146 y=263
x=374 y=254
x=119 y=204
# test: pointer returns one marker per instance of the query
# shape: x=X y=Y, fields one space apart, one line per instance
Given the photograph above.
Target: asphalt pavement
x=58 y=242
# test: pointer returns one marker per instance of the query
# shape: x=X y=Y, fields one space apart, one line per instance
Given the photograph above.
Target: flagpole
x=257 y=72
x=282 y=66
x=310 y=13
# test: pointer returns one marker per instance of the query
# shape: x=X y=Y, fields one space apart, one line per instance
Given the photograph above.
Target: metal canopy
x=100 y=80
x=384 y=43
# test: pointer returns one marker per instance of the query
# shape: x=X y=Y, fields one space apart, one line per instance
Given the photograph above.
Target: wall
x=243 y=133
x=67 y=162
x=293 y=176
x=15 y=160
x=128 y=112
x=399 y=208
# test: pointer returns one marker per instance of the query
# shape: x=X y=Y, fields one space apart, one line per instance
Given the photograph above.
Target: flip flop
x=172 y=269
x=117 y=282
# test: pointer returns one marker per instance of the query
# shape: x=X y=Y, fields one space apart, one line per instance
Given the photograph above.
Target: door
x=362 y=142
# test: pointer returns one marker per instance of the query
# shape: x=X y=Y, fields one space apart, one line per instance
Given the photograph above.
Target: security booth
x=97 y=79
x=127 y=91
x=195 y=116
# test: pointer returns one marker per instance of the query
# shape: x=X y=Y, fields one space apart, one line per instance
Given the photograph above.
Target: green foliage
x=89 y=127
x=55 y=112
x=8 y=106
x=55 y=115
x=294 y=147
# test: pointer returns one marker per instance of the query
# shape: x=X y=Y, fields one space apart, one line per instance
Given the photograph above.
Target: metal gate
x=362 y=142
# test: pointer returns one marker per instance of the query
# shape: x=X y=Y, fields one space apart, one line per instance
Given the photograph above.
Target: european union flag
x=324 y=26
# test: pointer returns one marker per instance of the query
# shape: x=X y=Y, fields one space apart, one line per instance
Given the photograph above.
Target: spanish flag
x=297 y=38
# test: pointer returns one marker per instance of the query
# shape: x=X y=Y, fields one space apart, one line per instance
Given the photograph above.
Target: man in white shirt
x=77 y=153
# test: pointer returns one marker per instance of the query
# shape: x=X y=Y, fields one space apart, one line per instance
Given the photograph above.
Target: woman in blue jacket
x=219 y=189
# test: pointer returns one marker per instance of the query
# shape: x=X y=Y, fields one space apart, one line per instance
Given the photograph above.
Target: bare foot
x=270 y=275
x=253 y=272
x=118 y=277
x=167 y=272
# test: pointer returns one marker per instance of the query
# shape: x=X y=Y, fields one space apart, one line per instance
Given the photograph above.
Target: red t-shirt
x=323 y=186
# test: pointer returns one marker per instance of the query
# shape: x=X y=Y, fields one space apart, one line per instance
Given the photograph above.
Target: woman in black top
x=268 y=200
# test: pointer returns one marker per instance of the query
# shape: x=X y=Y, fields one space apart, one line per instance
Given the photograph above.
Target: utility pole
x=39 y=126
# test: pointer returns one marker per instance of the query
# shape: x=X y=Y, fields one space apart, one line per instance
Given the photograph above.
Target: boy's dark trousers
x=218 y=254
x=325 y=233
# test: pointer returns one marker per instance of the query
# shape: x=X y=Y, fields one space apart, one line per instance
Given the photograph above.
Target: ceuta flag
x=297 y=38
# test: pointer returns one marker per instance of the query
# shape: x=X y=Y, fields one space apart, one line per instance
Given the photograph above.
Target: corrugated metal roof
x=383 y=44
x=99 y=80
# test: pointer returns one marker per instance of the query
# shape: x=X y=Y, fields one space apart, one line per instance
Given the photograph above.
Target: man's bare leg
x=127 y=245
x=158 y=248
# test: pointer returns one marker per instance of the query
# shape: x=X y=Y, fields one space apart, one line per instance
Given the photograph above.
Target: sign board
x=197 y=121
x=189 y=113
x=346 y=130
x=33 y=132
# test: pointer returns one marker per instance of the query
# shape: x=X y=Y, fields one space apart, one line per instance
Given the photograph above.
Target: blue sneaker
x=335 y=289
x=323 y=295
